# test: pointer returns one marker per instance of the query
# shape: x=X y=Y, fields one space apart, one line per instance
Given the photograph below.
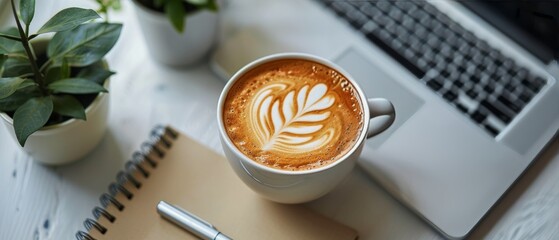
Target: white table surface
x=42 y=202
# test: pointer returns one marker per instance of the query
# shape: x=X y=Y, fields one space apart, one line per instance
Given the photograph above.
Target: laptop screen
x=532 y=24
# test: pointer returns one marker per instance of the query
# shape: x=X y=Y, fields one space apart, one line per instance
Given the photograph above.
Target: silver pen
x=190 y=222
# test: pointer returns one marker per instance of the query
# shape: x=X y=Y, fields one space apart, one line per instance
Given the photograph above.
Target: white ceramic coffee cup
x=286 y=186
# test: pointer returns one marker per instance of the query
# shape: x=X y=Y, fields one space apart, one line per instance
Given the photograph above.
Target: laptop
x=474 y=85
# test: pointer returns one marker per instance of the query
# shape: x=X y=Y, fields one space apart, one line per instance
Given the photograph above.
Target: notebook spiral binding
x=160 y=137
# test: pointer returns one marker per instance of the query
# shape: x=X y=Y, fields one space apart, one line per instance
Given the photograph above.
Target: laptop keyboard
x=475 y=78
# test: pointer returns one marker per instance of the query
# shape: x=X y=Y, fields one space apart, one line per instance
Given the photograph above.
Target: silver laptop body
x=437 y=159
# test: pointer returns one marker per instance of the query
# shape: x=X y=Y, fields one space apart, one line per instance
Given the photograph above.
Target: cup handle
x=383 y=110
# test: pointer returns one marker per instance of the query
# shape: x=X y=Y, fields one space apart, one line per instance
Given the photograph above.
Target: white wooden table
x=41 y=202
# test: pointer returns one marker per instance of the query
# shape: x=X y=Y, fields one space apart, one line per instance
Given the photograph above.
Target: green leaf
x=68 y=18
x=85 y=44
x=67 y=105
x=176 y=14
x=3 y=59
x=64 y=69
x=16 y=66
x=27 y=83
x=197 y=2
x=159 y=3
x=8 y=86
x=204 y=4
x=212 y=5
x=8 y=45
x=76 y=86
x=31 y=116
x=27 y=10
x=96 y=73
x=53 y=75
x=58 y=73
x=15 y=100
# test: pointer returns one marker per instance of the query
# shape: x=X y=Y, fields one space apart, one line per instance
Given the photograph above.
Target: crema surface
x=293 y=114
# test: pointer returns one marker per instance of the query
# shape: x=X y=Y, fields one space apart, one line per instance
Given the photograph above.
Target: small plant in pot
x=50 y=87
x=178 y=32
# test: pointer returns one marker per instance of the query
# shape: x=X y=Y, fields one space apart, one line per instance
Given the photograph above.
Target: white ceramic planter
x=172 y=48
x=68 y=141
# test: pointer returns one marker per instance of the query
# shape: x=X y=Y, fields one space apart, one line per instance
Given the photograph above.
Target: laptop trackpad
x=376 y=83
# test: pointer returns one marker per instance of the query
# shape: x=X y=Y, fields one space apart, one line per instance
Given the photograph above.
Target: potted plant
x=178 y=32
x=50 y=87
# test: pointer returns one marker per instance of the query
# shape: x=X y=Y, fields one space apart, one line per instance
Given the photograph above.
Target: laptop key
x=472 y=93
x=539 y=82
x=492 y=130
x=467 y=102
x=451 y=95
x=476 y=78
x=406 y=6
x=533 y=83
x=435 y=84
x=511 y=87
x=408 y=23
x=478 y=116
x=461 y=107
x=396 y=14
x=370 y=10
x=489 y=88
x=458 y=83
x=525 y=96
x=341 y=8
x=385 y=6
x=369 y=27
x=503 y=98
x=498 y=110
x=357 y=19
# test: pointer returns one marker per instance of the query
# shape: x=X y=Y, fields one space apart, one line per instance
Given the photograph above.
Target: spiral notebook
x=177 y=169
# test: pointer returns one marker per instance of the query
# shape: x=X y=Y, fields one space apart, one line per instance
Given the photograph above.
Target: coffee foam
x=293 y=114
x=293 y=124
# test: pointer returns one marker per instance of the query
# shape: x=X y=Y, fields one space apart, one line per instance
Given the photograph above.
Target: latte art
x=292 y=123
x=293 y=115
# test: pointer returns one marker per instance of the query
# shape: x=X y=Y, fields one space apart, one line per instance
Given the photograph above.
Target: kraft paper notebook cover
x=185 y=173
